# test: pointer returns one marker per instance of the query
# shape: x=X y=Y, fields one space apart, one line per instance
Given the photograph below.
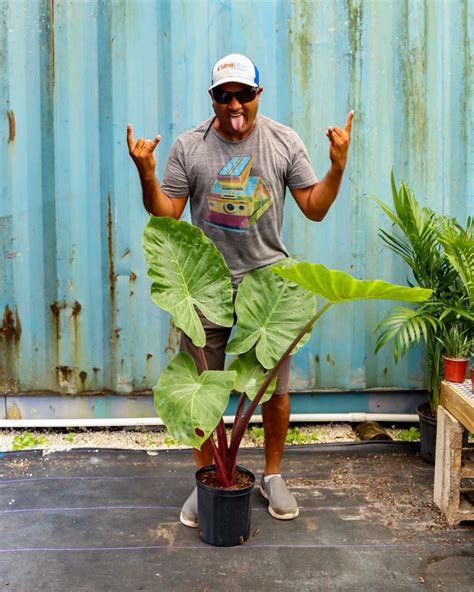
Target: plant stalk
x=222 y=475
x=244 y=421
x=220 y=453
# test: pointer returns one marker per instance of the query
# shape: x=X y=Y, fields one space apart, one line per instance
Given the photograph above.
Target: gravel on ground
x=145 y=438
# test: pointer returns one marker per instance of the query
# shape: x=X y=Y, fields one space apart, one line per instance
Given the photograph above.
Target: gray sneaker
x=281 y=502
x=189 y=512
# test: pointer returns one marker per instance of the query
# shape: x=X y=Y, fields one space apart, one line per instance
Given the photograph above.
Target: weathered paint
x=72 y=74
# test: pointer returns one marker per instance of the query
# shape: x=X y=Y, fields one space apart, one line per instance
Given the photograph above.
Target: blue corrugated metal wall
x=74 y=291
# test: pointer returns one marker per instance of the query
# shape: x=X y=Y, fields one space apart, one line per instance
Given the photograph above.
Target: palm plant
x=440 y=255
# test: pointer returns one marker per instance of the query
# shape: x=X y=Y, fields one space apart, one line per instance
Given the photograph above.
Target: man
x=235 y=168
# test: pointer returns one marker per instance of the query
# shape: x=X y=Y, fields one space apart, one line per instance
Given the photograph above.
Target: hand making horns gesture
x=339 y=142
x=142 y=152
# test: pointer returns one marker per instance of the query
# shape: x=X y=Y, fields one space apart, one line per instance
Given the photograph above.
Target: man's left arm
x=316 y=200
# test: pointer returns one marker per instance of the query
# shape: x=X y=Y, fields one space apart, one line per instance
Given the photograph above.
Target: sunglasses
x=243 y=96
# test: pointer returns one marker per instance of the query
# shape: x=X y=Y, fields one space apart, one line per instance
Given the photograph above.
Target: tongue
x=237 y=123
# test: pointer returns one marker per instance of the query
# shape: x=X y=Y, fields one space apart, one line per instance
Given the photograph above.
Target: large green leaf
x=251 y=375
x=187 y=271
x=271 y=311
x=338 y=286
x=187 y=401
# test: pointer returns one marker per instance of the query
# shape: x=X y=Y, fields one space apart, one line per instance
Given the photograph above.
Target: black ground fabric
x=106 y=520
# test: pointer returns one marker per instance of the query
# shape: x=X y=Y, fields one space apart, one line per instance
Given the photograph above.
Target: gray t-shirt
x=237 y=189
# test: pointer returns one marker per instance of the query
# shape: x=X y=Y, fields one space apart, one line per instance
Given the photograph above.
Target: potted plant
x=276 y=310
x=440 y=255
x=457 y=345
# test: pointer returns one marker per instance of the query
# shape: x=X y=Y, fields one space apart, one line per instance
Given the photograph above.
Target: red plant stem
x=203 y=359
x=223 y=477
x=222 y=440
x=243 y=423
x=220 y=454
x=239 y=412
x=238 y=416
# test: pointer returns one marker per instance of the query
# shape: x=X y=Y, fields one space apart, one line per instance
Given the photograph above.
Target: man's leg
x=276 y=419
x=203 y=457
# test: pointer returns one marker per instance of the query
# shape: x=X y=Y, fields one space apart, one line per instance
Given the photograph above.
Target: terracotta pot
x=455 y=369
x=472 y=378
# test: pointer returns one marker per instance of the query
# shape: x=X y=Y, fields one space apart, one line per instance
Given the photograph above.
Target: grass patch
x=410 y=435
x=27 y=440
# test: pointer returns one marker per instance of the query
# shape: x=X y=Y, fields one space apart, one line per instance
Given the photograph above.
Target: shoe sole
x=187 y=521
x=288 y=516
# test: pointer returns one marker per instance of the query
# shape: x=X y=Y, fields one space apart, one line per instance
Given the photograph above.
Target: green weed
x=294 y=436
x=70 y=437
x=410 y=435
x=168 y=440
x=256 y=435
x=27 y=440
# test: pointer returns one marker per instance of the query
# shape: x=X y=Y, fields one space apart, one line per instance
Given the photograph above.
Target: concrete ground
x=106 y=520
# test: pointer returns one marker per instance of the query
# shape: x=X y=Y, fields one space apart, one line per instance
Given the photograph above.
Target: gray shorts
x=214 y=350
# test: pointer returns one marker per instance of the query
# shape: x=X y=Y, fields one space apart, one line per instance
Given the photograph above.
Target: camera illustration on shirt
x=237 y=199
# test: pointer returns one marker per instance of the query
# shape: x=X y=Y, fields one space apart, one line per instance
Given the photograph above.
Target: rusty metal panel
x=74 y=304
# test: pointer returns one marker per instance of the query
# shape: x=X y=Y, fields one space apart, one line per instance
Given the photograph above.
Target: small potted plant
x=457 y=346
x=276 y=310
x=439 y=253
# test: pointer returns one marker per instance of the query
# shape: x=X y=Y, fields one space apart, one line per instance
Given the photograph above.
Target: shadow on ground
x=103 y=520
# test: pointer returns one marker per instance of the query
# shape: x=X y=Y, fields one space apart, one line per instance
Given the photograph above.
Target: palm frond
x=406 y=327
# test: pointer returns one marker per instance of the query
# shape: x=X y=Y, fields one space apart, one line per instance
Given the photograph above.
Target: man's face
x=235 y=119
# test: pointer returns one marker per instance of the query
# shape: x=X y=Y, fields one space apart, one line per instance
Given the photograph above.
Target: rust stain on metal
x=329 y=360
x=13 y=412
x=55 y=308
x=148 y=364
x=83 y=377
x=317 y=358
x=114 y=332
x=112 y=276
x=11 y=127
x=65 y=376
x=11 y=324
x=10 y=333
x=95 y=370
x=133 y=276
x=76 y=309
x=385 y=370
x=125 y=253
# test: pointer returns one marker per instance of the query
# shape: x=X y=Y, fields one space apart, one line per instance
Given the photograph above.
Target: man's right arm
x=156 y=202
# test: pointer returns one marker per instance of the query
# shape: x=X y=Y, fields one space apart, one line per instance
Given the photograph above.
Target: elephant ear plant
x=275 y=309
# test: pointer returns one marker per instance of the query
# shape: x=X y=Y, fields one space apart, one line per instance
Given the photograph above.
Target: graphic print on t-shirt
x=237 y=199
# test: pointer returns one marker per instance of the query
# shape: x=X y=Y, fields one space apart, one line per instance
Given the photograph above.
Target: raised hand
x=142 y=153
x=339 y=142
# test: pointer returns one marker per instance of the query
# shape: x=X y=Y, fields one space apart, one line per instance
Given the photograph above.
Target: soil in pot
x=455 y=368
x=224 y=513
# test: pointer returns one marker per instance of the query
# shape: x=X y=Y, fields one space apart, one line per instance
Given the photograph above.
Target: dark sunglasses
x=243 y=96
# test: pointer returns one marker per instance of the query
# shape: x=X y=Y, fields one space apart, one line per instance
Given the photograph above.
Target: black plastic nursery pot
x=224 y=514
x=427 y=433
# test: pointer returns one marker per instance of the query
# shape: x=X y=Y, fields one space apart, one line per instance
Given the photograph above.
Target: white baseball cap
x=235 y=68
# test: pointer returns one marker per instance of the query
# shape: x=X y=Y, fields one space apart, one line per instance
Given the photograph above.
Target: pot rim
x=234 y=492
x=454 y=359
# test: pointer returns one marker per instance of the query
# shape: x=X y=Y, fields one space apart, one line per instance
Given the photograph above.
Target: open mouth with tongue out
x=237 y=122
